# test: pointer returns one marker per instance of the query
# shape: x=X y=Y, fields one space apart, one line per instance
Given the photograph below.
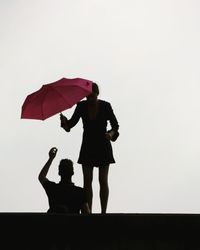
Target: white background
x=145 y=56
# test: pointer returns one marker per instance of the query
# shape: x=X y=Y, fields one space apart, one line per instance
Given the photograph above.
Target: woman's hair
x=95 y=88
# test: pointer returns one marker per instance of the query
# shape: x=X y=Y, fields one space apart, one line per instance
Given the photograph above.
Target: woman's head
x=95 y=88
x=95 y=92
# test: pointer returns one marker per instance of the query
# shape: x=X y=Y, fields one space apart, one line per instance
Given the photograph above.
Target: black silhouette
x=63 y=197
x=96 y=148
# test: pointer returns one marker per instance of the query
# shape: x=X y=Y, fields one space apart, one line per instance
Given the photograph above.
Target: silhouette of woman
x=96 y=149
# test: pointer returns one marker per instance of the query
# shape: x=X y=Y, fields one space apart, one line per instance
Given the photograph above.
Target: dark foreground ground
x=96 y=231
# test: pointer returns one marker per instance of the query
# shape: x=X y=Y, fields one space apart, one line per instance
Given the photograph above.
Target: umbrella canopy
x=55 y=97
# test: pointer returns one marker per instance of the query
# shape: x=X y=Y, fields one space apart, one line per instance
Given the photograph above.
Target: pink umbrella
x=53 y=98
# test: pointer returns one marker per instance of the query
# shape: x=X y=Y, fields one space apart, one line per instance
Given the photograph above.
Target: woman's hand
x=64 y=122
x=109 y=135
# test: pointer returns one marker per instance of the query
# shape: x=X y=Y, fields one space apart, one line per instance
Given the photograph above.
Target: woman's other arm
x=111 y=134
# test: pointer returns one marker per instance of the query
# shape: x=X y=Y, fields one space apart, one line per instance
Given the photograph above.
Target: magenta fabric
x=53 y=98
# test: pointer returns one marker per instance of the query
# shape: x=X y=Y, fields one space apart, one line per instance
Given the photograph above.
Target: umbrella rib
x=42 y=105
x=54 y=89
x=61 y=95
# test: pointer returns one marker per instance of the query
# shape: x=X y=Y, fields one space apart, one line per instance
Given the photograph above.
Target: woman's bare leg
x=104 y=189
x=87 y=183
